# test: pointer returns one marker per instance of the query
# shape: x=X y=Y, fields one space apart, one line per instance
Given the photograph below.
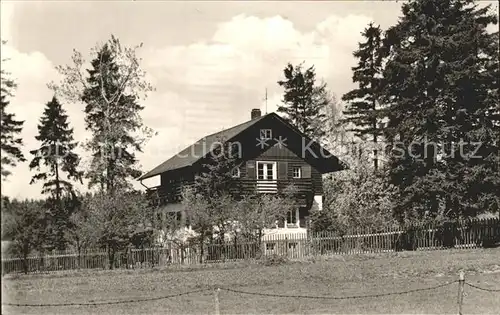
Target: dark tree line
x=431 y=80
x=425 y=108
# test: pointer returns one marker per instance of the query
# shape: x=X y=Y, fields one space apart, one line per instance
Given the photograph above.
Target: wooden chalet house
x=272 y=155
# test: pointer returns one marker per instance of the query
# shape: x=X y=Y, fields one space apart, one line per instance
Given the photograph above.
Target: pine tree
x=441 y=85
x=111 y=92
x=363 y=103
x=303 y=100
x=10 y=128
x=10 y=142
x=112 y=115
x=110 y=124
x=57 y=155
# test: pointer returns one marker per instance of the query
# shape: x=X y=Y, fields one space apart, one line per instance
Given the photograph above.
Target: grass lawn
x=335 y=276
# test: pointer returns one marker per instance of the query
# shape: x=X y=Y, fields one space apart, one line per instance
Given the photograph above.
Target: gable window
x=266 y=170
x=235 y=173
x=266 y=134
x=235 y=150
x=297 y=172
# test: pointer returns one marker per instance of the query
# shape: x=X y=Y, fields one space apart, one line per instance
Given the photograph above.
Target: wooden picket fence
x=464 y=234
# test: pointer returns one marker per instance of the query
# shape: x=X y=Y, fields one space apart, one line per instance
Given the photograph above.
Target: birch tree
x=111 y=90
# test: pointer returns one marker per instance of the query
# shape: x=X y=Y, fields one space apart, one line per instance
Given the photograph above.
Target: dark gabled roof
x=194 y=152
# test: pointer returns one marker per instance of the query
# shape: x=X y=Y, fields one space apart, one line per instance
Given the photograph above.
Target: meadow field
x=337 y=276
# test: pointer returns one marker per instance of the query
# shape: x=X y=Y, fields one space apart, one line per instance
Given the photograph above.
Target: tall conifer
x=112 y=115
x=363 y=103
x=304 y=100
x=441 y=85
x=56 y=165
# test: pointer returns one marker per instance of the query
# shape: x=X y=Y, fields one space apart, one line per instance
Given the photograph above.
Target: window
x=291 y=217
x=292 y=245
x=266 y=170
x=297 y=172
x=266 y=134
x=235 y=172
x=269 y=246
x=235 y=150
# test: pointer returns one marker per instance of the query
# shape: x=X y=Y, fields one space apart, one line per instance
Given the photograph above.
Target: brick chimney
x=255 y=113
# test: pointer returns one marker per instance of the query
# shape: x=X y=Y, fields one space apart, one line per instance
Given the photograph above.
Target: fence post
x=461 y=283
x=217 y=306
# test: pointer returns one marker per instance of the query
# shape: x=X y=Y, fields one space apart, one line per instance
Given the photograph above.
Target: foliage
x=59 y=222
x=304 y=99
x=8 y=85
x=111 y=92
x=10 y=144
x=201 y=215
x=82 y=234
x=222 y=215
x=358 y=198
x=25 y=223
x=215 y=178
x=363 y=102
x=323 y=221
x=215 y=184
x=332 y=125
x=441 y=88
x=117 y=220
x=257 y=212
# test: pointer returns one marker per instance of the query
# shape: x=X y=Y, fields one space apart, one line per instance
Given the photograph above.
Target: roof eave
x=156 y=173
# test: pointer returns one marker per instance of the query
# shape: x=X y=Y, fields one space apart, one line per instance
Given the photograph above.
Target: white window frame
x=292 y=214
x=264 y=134
x=300 y=172
x=238 y=172
x=266 y=163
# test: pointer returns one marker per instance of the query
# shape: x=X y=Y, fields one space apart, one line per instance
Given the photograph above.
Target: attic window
x=236 y=172
x=235 y=150
x=266 y=134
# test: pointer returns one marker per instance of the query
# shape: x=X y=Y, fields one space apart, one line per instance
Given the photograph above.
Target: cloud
x=227 y=73
x=201 y=87
x=246 y=49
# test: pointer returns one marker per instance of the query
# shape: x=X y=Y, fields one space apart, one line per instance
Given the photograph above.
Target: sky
x=210 y=62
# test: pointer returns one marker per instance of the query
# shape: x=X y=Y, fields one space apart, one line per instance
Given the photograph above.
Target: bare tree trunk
x=79 y=253
x=25 y=260
x=111 y=256
x=202 y=238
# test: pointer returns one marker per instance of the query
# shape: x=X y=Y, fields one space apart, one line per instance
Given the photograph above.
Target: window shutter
x=306 y=171
x=282 y=170
x=251 y=169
